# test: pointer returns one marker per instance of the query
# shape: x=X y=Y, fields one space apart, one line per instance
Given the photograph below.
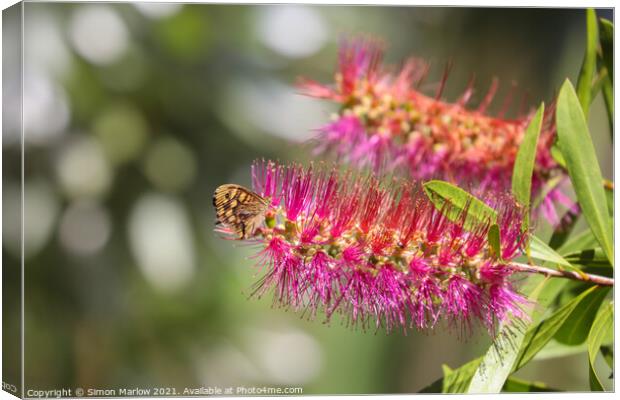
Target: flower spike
x=379 y=253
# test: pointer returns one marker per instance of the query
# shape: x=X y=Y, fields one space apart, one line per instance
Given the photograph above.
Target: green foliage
x=533 y=341
x=538 y=336
x=608 y=352
x=575 y=330
x=606 y=34
x=497 y=363
x=571 y=324
x=453 y=201
x=524 y=163
x=580 y=241
x=608 y=96
x=600 y=327
x=516 y=385
x=555 y=349
x=578 y=151
x=454 y=381
x=584 y=84
x=556 y=153
x=606 y=70
x=565 y=228
x=541 y=251
x=495 y=240
x=589 y=257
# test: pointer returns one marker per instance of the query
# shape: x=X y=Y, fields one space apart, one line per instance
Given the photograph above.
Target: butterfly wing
x=239 y=209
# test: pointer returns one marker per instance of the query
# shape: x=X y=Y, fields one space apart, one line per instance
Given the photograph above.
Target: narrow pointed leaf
x=454 y=381
x=588 y=258
x=524 y=163
x=458 y=200
x=605 y=80
x=515 y=385
x=498 y=361
x=495 y=240
x=539 y=335
x=601 y=325
x=584 y=84
x=578 y=151
x=555 y=349
x=606 y=34
x=608 y=353
x=556 y=153
x=541 y=251
x=608 y=96
x=565 y=227
x=576 y=328
x=580 y=241
x=458 y=380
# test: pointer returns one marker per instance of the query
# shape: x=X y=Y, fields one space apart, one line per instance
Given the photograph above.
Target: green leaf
x=541 y=251
x=606 y=33
x=515 y=385
x=524 y=163
x=495 y=241
x=583 y=168
x=497 y=363
x=601 y=325
x=584 y=83
x=608 y=96
x=555 y=349
x=453 y=201
x=538 y=336
x=547 y=297
x=577 y=326
x=609 y=196
x=608 y=354
x=556 y=153
x=582 y=240
x=458 y=380
x=588 y=258
x=564 y=228
x=598 y=81
x=454 y=381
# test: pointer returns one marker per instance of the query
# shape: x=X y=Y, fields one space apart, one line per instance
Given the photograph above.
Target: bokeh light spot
x=271 y=107
x=158 y=10
x=292 y=31
x=40 y=212
x=161 y=241
x=185 y=34
x=84 y=228
x=98 y=34
x=122 y=132
x=82 y=168
x=46 y=109
x=170 y=165
x=45 y=50
x=289 y=357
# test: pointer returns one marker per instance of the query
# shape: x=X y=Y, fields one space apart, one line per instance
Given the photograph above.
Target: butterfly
x=240 y=209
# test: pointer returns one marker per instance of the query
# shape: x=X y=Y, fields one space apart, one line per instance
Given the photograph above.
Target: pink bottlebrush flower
x=381 y=254
x=386 y=122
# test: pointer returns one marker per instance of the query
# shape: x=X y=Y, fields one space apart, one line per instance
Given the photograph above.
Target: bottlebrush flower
x=381 y=254
x=386 y=122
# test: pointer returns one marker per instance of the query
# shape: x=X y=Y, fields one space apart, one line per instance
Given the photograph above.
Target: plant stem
x=578 y=276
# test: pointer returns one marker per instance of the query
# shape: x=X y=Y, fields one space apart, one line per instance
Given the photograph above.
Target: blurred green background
x=134 y=113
